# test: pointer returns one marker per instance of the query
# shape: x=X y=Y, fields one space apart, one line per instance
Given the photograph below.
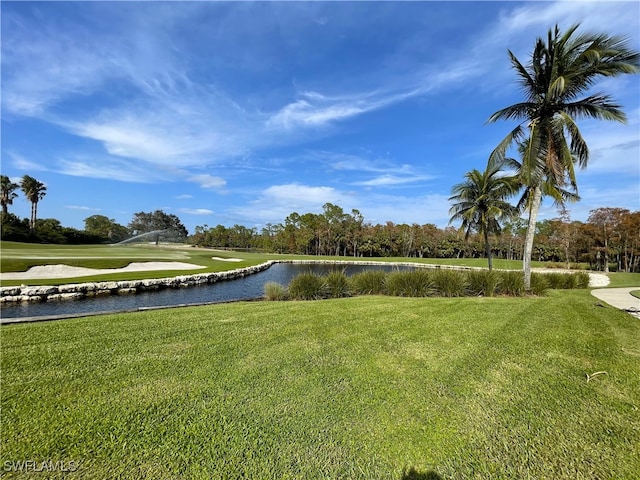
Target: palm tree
x=481 y=202
x=34 y=191
x=560 y=72
x=7 y=192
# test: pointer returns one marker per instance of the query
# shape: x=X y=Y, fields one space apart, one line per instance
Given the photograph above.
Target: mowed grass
x=359 y=388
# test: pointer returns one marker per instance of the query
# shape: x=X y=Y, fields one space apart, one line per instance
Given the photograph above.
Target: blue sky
x=242 y=113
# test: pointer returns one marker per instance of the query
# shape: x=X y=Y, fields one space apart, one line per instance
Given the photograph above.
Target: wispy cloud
x=82 y=208
x=196 y=211
x=111 y=169
x=208 y=181
x=22 y=163
x=386 y=180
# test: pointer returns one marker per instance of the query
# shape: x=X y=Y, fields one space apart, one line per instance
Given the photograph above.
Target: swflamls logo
x=40 y=466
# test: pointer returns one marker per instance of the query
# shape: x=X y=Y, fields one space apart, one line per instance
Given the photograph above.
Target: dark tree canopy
x=144 y=222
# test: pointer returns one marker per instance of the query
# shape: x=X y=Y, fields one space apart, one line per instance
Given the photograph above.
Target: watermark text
x=40 y=466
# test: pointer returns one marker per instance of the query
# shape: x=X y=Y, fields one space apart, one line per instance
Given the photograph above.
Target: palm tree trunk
x=32 y=223
x=531 y=230
x=487 y=249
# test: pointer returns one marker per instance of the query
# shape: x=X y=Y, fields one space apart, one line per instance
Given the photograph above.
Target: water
x=246 y=288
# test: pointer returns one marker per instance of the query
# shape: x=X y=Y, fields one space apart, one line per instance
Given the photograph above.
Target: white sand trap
x=65 y=271
x=227 y=259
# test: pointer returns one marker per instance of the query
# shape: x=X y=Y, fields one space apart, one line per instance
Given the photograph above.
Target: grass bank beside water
x=356 y=388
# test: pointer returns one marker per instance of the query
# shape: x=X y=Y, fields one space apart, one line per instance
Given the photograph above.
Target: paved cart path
x=620 y=298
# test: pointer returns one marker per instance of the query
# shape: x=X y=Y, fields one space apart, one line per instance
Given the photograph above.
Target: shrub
x=370 y=282
x=336 y=285
x=413 y=283
x=512 y=283
x=539 y=283
x=274 y=291
x=556 y=280
x=582 y=280
x=306 y=286
x=450 y=283
x=570 y=281
x=482 y=282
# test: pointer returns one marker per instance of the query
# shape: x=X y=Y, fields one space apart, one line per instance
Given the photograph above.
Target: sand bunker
x=227 y=259
x=65 y=271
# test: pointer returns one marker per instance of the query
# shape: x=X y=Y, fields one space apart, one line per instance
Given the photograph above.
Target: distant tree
x=14 y=228
x=148 y=222
x=105 y=227
x=608 y=222
x=481 y=202
x=561 y=70
x=34 y=191
x=7 y=192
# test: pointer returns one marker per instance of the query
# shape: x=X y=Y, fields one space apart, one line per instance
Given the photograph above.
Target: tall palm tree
x=34 y=191
x=7 y=192
x=481 y=202
x=559 y=74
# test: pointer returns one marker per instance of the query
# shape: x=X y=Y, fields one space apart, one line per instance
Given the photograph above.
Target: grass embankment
x=358 y=388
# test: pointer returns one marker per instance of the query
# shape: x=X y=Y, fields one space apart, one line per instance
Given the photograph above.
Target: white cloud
x=196 y=211
x=78 y=207
x=314 y=109
x=208 y=181
x=184 y=197
x=300 y=194
x=385 y=180
x=110 y=169
x=22 y=163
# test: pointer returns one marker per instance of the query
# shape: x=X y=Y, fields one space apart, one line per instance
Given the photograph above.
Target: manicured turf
x=359 y=388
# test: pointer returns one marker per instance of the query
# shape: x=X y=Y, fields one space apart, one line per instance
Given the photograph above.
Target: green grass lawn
x=359 y=388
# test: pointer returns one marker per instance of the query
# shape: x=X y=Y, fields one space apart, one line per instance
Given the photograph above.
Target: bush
x=450 y=283
x=306 y=286
x=370 y=282
x=336 y=285
x=582 y=279
x=274 y=291
x=482 y=282
x=512 y=283
x=414 y=283
x=556 y=280
x=539 y=283
x=568 y=280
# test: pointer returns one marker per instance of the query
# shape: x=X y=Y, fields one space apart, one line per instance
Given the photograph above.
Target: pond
x=250 y=287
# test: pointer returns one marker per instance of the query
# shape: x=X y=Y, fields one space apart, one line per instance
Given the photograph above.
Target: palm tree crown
x=481 y=202
x=34 y=191
x=560 y=71
x=7 y=192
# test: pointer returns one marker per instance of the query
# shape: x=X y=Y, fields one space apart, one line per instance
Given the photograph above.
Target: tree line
x=97 y=228
x=610 y=238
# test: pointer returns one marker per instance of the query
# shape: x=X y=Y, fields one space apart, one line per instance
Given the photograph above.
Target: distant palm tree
x=7 y=192
x=34 y=191
x=481 y=202
x=560 y=71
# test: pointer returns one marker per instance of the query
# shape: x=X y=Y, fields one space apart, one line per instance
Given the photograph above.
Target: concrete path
x=620 y=298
